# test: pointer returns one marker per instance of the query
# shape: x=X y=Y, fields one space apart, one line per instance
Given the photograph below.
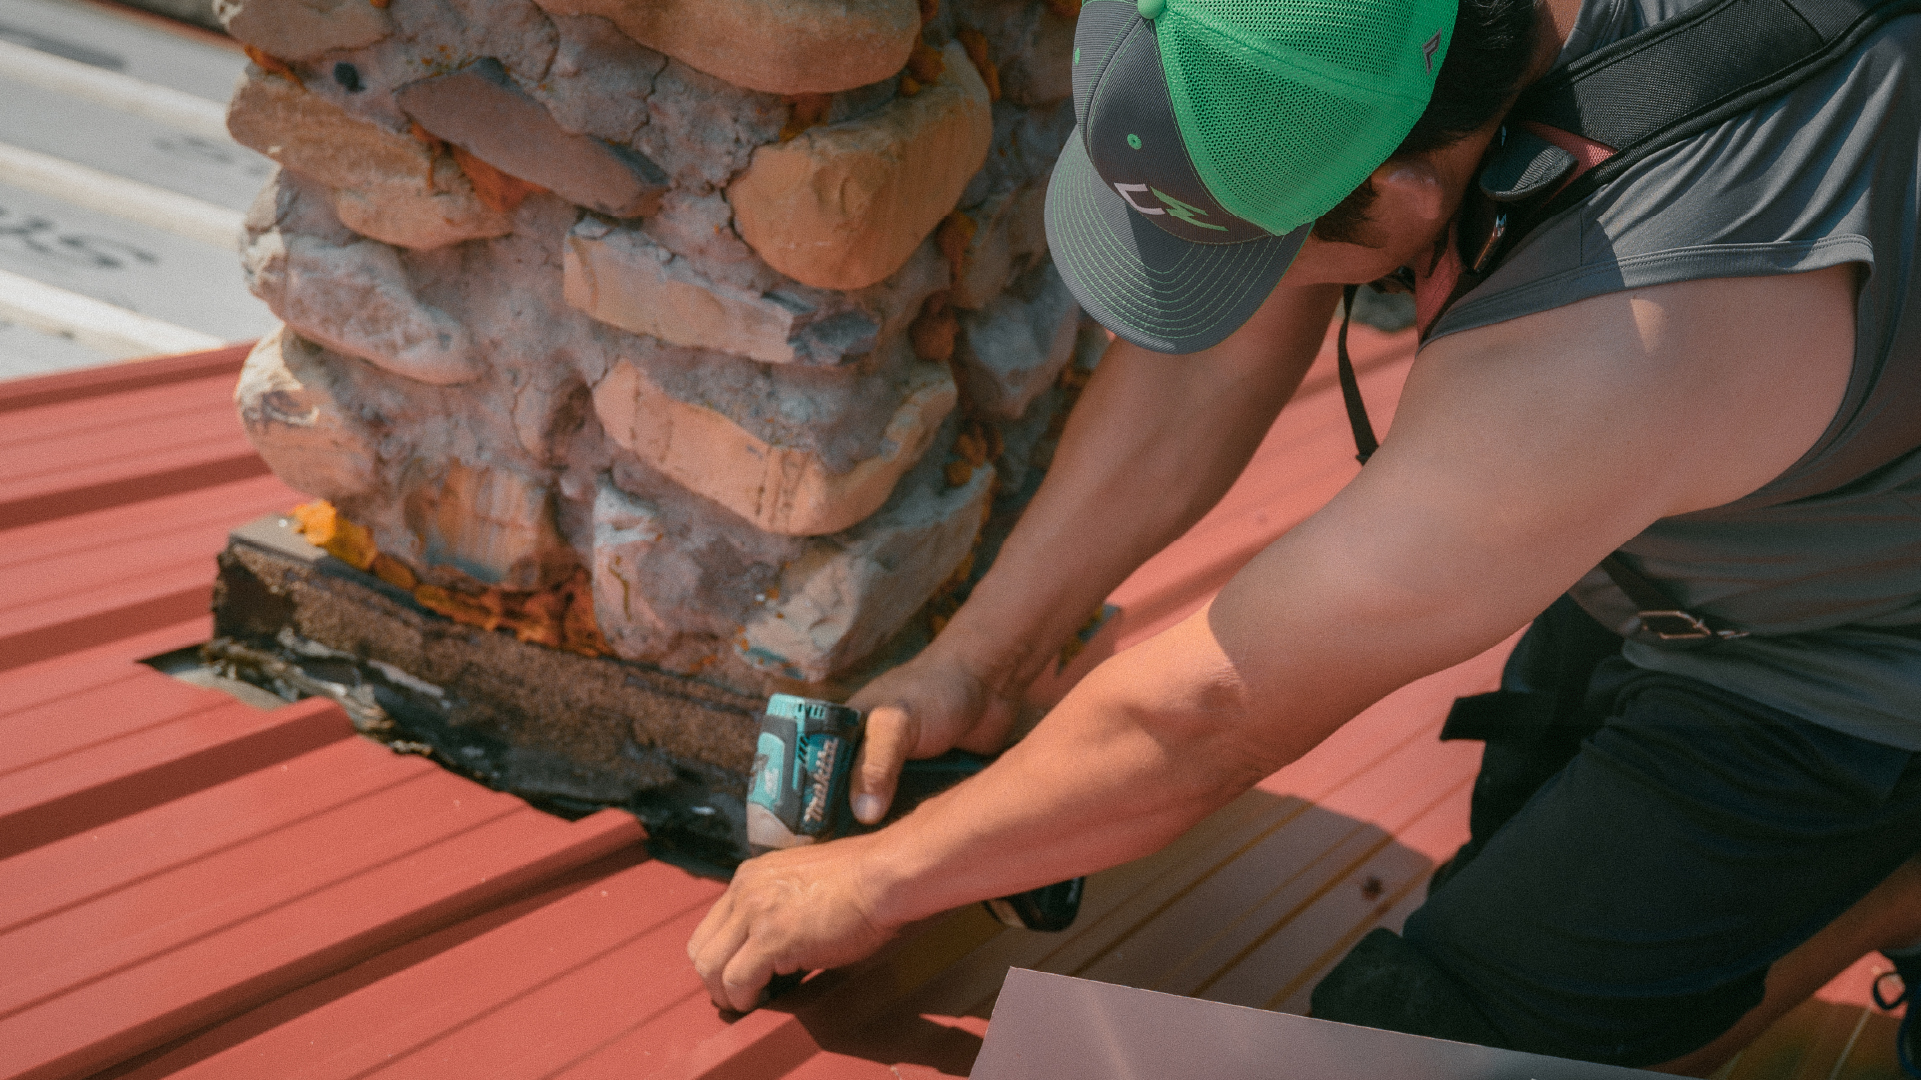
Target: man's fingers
x=716 y=954
x=709 y=926
x=744 y=977
x=892 y=731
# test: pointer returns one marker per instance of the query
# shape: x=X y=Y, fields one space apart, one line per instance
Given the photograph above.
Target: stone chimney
x=716 y=340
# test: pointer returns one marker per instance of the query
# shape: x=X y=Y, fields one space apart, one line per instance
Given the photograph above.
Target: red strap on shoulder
x=1587 y=153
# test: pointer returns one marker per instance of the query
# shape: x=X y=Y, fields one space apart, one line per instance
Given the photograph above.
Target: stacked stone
x=739 y=311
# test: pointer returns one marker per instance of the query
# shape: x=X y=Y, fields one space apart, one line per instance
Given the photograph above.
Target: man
x=1705 y=366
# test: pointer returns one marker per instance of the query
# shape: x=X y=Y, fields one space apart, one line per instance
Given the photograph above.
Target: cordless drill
x=801 y=791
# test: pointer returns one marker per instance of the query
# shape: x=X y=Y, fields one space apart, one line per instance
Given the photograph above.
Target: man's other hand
x=786 y=911
x=927 y=706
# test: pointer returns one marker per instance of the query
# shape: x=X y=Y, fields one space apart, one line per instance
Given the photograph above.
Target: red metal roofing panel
x=87 y=985
x=209 y=738
x=66 y=453
x=121 y=570
x=511 y=1002
x=194 y=887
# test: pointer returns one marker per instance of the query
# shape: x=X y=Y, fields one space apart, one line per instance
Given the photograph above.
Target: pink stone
x=480 y=109
x=794 y=47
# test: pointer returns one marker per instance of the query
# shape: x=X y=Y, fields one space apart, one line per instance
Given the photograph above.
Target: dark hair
x=1486 y=57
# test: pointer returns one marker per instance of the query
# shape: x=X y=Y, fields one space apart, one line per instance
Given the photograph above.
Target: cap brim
x=1156 y=290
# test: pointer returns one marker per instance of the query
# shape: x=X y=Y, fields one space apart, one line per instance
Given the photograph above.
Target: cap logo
x=1428 y=50
x=1190 y=214
x=1125 y=190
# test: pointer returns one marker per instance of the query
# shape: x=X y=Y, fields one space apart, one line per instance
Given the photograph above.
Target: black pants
x=1643 y=847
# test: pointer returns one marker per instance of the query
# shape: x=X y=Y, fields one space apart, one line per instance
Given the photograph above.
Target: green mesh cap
x=1211 y=134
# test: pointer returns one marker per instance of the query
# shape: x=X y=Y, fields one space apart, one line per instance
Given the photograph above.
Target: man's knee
x=1386 y=983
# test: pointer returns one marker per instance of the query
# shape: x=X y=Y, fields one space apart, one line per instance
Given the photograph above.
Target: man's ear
x=1408 y=191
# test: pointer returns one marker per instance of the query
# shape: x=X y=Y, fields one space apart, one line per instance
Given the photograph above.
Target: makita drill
x=800 y=795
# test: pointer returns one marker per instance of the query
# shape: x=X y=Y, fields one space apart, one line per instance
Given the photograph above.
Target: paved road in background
x=120 y=194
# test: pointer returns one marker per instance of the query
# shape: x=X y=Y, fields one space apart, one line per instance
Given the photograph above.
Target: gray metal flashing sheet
x=1054 y=1027
x=97 y=35
x=129 y=265
x=220 y=172
x=119 y=186
x=25 y=351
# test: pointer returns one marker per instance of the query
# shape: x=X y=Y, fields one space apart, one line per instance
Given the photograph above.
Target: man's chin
x=1333 y=262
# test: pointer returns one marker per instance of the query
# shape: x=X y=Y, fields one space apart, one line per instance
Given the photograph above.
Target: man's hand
x=794 y=910
x=927 y=706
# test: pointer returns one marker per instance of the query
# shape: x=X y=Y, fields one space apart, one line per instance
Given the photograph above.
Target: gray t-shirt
x=1823 y=565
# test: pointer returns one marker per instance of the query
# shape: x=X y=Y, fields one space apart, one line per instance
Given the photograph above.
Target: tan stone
x=622 y=278
x=288 y=400
x=304 y=29
x=781 y=489
x=779 y=46
x=850 y=593
x=386 y=184
x=843 y=206
x=492 y=524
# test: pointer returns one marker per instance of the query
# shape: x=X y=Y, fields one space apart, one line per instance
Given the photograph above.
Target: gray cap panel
x=1102 y=25
x=1155 y=290
x=1142 y=244
x=1135 y=144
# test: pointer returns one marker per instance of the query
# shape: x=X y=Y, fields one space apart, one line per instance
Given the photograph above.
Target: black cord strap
x=1364 y=441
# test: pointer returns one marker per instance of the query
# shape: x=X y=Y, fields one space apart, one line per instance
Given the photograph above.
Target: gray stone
x=681 y=575
x=356 y=299
x=1025 y=443
x=896 y=301
x=347 y=293
x=480 y=109
x=1012 y=349
x=600 y=79
x=1025 y=144
x=289 y=400
x=621 y=277
x=1009 y=235
x=1038 y=68
x=304 y=29
x=439 y=36
x=628 y=534
x=697 y=223
x=704 y=130
x=851 y=592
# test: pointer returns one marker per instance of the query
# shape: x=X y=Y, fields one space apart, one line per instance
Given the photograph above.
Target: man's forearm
x=1153 y=444
x=1446 y=543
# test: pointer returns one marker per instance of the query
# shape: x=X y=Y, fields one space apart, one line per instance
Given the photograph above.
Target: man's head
x=1215 y=134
